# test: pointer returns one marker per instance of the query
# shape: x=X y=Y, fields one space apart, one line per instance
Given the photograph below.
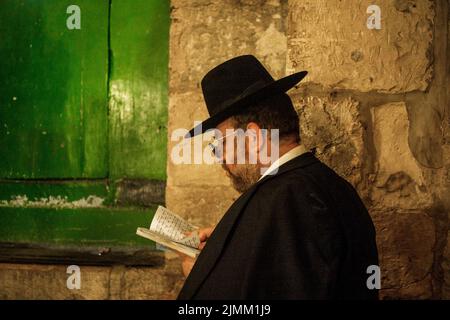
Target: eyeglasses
x=215 y=143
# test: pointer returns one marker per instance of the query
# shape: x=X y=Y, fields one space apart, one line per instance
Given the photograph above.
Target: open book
x=169 y=230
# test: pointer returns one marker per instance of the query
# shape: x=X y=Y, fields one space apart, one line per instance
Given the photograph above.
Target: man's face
x=243 y=176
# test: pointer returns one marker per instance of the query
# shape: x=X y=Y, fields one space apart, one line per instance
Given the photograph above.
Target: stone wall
x=374 y=106
x=204 y=34
x=49 y=282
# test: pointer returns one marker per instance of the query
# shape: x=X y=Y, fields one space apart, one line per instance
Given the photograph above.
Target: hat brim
x=279 y=86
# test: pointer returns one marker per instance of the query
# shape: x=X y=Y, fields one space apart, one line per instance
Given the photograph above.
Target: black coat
x=302 y=233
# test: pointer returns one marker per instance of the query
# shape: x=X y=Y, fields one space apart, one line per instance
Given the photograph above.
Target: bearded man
x=298 y=230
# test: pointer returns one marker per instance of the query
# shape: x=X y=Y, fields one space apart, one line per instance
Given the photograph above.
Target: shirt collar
x=291 y=154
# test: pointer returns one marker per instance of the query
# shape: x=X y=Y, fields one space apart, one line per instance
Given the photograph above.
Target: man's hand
x=204 y=235
x=187 y=262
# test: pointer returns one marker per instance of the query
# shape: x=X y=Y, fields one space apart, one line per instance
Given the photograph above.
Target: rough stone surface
x=399 y=179
x=387 y=132
x=334 y=130
x=202 y=206
x=331 y=40
x=446 y=269
x=382 y=142
x=145 y=283
x=417 y=290
x=45 y=282
x=444 y=192
x=21 y=281
x=184 y=109
x=425 y=132
x=405 y=244
x=205 y=33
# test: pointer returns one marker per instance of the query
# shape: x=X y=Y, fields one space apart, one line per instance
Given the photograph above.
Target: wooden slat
x=67 y=255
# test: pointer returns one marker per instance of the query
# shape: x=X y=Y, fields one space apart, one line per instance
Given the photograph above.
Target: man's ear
x=254 y=131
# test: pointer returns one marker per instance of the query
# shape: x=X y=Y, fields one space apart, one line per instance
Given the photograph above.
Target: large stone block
x=201 y=175
x=333 y=128
x=205 y=33
x=426 y=130
x=150 y=284
x=417 y=290
x=405 y=243
x=184 y=110
x=399 y=181
x=45 y=282
x=446 y=268
x=48 y=282
x=330 y=39
x=202 y=206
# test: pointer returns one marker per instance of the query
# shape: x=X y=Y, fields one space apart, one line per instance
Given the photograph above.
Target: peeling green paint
x=70 y=190
x=53 y=202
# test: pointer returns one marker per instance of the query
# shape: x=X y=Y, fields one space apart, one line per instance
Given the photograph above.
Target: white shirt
x=291 y=154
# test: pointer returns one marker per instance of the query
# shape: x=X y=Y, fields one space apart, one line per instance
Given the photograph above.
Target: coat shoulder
x=301 y=179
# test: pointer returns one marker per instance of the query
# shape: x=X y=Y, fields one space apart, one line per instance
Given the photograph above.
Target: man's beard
x=244 y=176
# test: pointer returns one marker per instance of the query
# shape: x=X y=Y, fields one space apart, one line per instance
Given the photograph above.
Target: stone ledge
x=49 y=282
x=67 y=255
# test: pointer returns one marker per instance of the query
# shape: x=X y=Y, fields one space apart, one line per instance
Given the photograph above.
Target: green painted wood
x=82 y=227
x=45 y=190
x=53 y=92
x=54 y=121
x=139 y=44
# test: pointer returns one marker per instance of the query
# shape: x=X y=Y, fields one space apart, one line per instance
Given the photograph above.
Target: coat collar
x=291 y=154
x=216 y=243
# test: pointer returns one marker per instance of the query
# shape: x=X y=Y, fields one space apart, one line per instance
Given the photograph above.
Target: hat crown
x=236 y=84
x=232 y=79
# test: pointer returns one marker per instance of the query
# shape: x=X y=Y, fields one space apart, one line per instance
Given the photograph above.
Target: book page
x=172 y=226
x=166 y=243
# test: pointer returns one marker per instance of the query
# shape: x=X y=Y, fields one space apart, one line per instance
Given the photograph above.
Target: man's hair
x=274 y=112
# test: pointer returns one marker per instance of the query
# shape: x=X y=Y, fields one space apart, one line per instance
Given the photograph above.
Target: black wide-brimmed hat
x=236 y=84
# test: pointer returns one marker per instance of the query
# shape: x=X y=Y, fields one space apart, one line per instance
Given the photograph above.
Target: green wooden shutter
x=138 y=88
x=53 y=92
x=79 y=111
